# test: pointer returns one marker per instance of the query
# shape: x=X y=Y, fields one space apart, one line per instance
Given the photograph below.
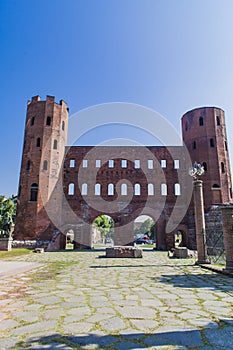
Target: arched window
x=226 y=148
x=177 y=189
x=201 y=121
x=222 y=167
x=110 y=190
x=84 y=189
x=28 y=165
x=54 y=144
x=45 y=165
x=38 y=142
x=71 y=189
x=218 y=120
x=48 y=121
x=124 y=190
x=215 y=186
x=33 y=192
x=211 y=142
x=150 y=189
x=32 y=121
x=164 y=189
x=63 y=125
x=186 y=126
x=137 y=189
x=194 y=145
x=204 y=164
x=97 y=189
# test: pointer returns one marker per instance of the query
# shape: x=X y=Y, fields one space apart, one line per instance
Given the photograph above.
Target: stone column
x=227 y=224
x=200 y=223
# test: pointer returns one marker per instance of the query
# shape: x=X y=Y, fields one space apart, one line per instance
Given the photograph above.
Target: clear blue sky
x=169 y=55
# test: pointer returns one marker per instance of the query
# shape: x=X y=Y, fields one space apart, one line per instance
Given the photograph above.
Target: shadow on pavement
x=202 y=280
x=215 y=335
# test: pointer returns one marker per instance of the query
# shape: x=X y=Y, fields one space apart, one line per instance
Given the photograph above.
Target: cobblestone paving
x=78 y=300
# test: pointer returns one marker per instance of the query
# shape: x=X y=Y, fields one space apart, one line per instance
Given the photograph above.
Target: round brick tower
x=43 y=152
x=204 y=134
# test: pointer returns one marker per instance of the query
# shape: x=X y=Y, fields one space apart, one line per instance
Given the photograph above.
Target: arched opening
x=33 y=192
x=201 y=121
x=102 y=231
x=69 y=240
x=145 y=231
x=204 y=164
x=48 y=121
x=218 y=120
x=180 y=238
x=38 y=142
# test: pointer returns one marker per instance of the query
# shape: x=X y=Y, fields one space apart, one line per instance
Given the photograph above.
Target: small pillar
x=227 y=224
x=200 y=223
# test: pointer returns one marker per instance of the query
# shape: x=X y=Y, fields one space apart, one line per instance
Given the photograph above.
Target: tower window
x=218 y=120
x=28 y=165
x=124 y=163
x=38 y=142
x=222 y=168
x=110 y=190
x=215 y=186
x=150 y=163
x=150 y=189
x=45 y=165
x=72 y=163
x=137 y=164
x=63 y=125
x=177 y=189
x=111 y=163
x=201 y=121
x=48 y=121
x=71 y=189
x=163 y=163
x=176 y=164
x=137 y=189
x=84 y=189
x=98 y=163
x=204 y=164
x=32 y=121
x=163 y=189
x=85 y=163
x=54 y=144
x=194 y=145
x=226 y=148
x=211 y=142
x=124 y=190
x=97 y=189
x=186 y=126
x=33 y=192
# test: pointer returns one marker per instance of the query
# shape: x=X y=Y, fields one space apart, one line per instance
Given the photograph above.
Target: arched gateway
x=80 y=183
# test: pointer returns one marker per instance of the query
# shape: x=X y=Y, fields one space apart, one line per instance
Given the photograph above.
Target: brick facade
x=65 y=187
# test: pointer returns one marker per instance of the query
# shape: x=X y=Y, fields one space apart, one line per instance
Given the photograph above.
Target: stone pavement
x=78 y=300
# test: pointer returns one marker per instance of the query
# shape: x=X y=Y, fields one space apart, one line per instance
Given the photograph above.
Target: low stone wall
x=30 y=244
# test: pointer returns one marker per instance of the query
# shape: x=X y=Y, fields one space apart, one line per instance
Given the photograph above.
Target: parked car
x=143 y=241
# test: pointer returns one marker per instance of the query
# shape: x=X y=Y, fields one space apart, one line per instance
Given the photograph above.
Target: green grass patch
x=4 y=255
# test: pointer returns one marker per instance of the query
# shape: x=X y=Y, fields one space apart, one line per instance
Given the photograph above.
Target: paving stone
x=51 y=346
x=8 y=343
x=144 y=325
x=113 y=324
x=100 y=340
x=128 y=346
x=6 y=324
x=139 y=312
x=77 y=327
x=34 y=327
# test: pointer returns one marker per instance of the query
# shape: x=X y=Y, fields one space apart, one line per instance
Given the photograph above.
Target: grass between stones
x=15 y=252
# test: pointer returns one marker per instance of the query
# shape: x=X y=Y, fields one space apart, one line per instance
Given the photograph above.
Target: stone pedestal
x=123 y=252
x=200 y=223
x=227 y=223
x=6 y=243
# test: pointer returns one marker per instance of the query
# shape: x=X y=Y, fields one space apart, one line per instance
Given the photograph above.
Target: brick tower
x=43 y=153
x=204 y=133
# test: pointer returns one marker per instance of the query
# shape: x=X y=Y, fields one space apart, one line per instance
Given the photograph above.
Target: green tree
x=105 y=224
x=146 y=227
x=7 y=213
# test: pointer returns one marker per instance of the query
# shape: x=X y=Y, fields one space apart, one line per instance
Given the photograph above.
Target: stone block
x=123 y=252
